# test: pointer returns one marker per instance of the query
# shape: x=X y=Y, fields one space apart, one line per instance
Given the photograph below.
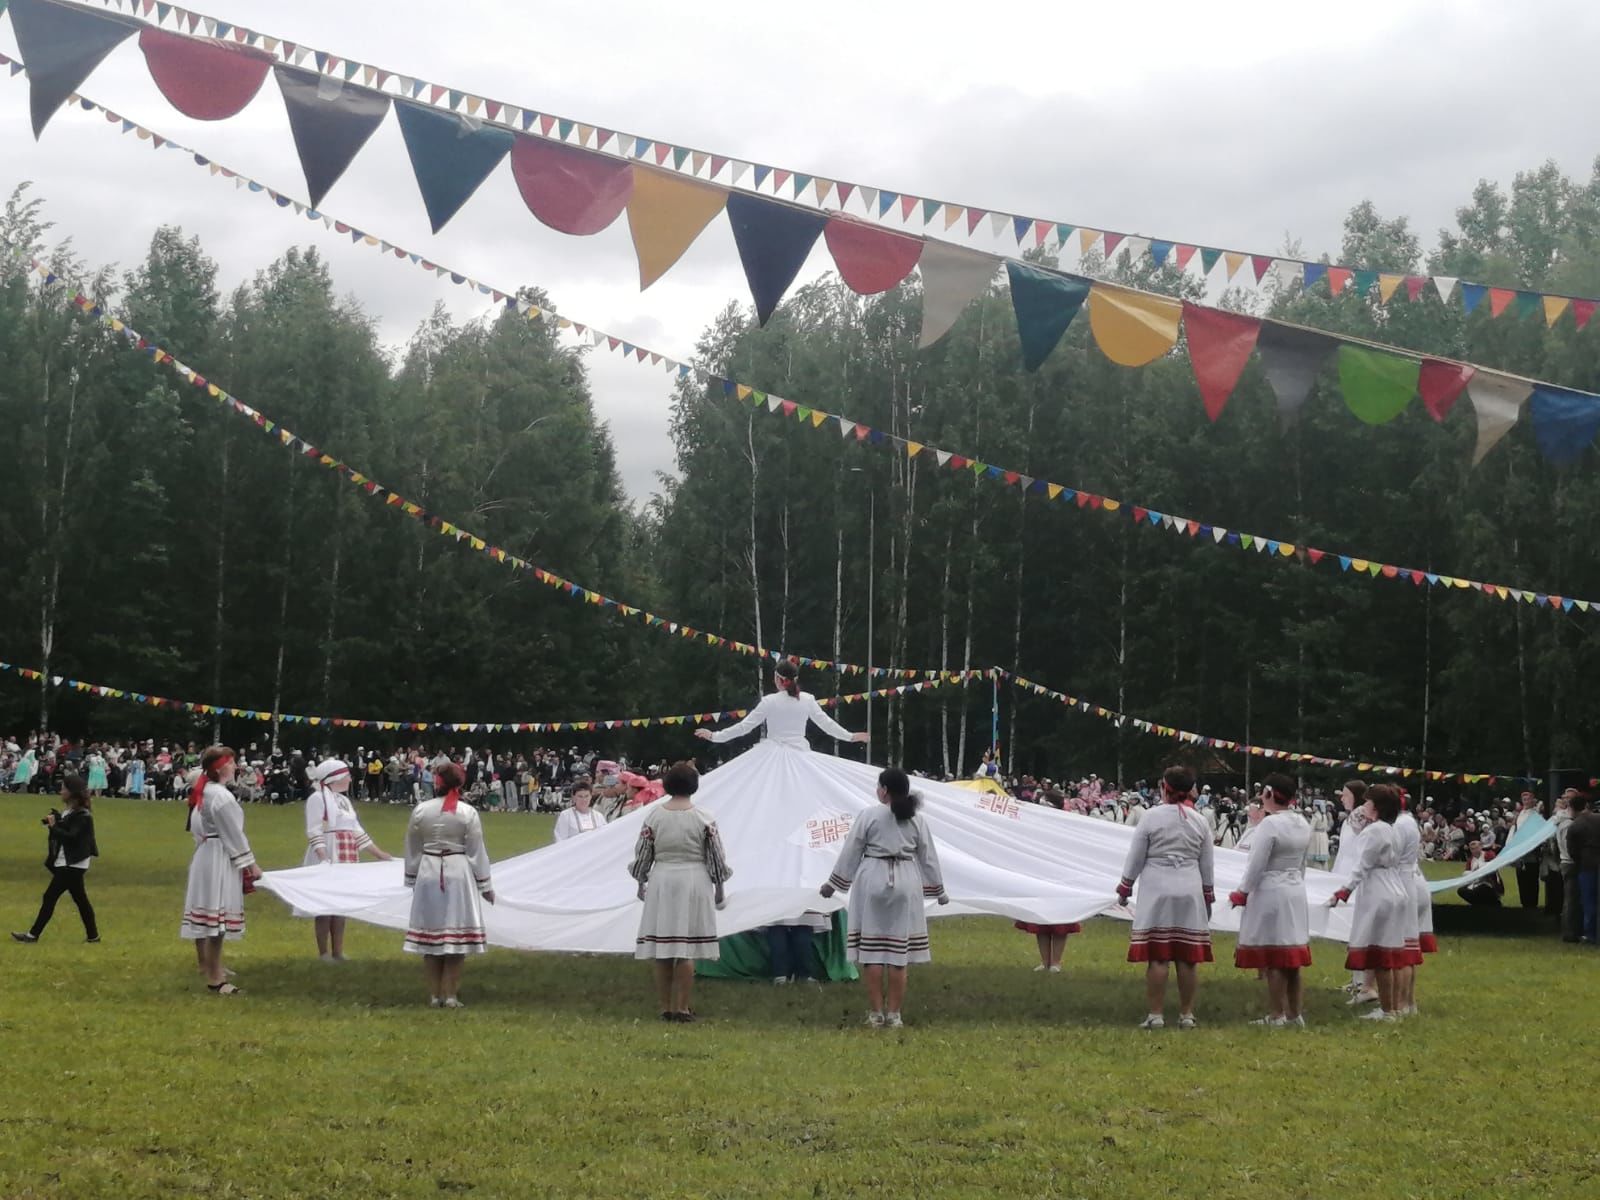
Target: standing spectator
x=891 y=860
x=1549 y=857
x=213 y=907
x=71 y=846
x=681 y=869
x=1528 y=864
x=1583 y=843
x=1172 y=850
x=1571 y=905
x=1275 y=928
x=446 y=921
x=580 y=818
x=95 y=765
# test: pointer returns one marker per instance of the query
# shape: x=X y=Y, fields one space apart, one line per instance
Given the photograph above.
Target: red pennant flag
x=1139 y=514
x=779 y=178
x=1185 y=253
x=435 y=91
x=1260 y=264
x=1582 y=310
x=974 y=215
x=907 y=203
x=662 y=150
x=1315 y=555
x=870 y=259
x=546 y=124
x=1219 y=346
x=1499 y=300
x=1083 y=499
x=1441 y=383
x=1417 y=577
x=1389 y=572
x=957 y=463
x=1338 y=277
x=1112 y=241
x=1414 y=285
x=843 y=191
x=206 y=80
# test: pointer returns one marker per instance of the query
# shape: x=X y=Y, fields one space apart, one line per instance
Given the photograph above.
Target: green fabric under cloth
x=744 y=956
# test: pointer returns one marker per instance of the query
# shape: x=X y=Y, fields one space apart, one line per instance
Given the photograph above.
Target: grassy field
x=123 y=1077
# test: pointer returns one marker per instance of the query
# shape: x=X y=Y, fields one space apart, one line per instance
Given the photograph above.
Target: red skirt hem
x=1283 y=958
x=1157 y=951
x=1380 y=958
x=1053 y=930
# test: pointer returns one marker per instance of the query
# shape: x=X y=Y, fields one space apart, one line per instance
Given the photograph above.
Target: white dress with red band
x=1411 y=863
x=213 y=905
x=447 y=870
x=1383 y=923
x=1171 y=860
x=1275 y=923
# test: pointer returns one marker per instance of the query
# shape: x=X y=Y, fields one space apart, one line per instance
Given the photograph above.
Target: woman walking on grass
x=680 y=868
x=890 y=867
x=1383 y=924
x=213 y=906
x=71 y=847
x=1172 y=852
x=447 y=870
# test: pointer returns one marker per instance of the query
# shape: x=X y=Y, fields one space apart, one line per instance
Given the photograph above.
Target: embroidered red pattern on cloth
x=232 y=922
x=1169 y=944
x=343 y=845
x=1283 y=958
x=445 y=937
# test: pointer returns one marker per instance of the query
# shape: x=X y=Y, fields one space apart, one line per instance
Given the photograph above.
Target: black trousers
x=1554 y=895
x=66 y=880
x=1528 y=881
x=1571 y=904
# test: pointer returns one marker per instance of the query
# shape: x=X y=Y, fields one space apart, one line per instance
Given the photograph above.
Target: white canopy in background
x=783 y=813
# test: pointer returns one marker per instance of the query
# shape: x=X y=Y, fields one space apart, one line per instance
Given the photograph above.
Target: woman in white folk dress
x=1317 y=852
x=1171 y=859
x=213 y=905
x=1275 y=927
x=785 y=713
x=1410 y=834
x=582 y=817
x=1363 y=987
x=334 y=835
x=1383 y=923
x=447 y=870
x=680 y=867
x=890 y=867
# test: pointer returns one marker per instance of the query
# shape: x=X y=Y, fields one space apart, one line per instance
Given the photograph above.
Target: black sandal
x=224 y=989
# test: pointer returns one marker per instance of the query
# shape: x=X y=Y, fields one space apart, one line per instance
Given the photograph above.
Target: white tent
x=782 y=813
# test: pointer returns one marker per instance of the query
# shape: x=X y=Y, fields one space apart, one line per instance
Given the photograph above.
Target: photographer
x=71 y=847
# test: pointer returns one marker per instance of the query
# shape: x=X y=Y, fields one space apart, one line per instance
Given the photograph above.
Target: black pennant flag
x=330 y=122
x=62 y=44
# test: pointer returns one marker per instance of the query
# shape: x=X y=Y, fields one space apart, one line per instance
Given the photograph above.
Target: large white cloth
x=783 y=813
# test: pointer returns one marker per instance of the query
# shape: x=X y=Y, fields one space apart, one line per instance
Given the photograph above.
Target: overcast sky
x=1231 y=124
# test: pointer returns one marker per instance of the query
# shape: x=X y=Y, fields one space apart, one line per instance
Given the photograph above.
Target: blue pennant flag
x=450 y=158
x=774 y=241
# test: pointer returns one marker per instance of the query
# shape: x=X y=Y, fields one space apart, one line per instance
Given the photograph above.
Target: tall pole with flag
x=994 y=727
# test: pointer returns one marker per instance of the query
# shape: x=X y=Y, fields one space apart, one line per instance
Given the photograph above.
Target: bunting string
x=942 y=679
x=196 y=708
x=940 y=218
x=580 y=190
x=395 y=501
x=1276 y=549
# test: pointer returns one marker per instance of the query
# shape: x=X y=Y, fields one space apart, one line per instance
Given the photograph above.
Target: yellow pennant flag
x=1133 y=328
x=742 y=390
x=913 y=449
x=824 y=190
x=1053 y=490
x=1110 y=505
x=1234 y=259
x=952 y=214
x=1388 y=285
x=1086 y=240
x=817 y=418
x=1554 y=306
x=666 y=213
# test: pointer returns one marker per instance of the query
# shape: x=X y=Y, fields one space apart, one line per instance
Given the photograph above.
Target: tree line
x=154 y=542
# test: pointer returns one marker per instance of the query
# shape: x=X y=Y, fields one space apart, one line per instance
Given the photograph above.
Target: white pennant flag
x=1498 y=401
x=1286 y=272
x=952 y=277
x=1218 y=533
x=1445 y=285
x=739 y=169
x=998 y=223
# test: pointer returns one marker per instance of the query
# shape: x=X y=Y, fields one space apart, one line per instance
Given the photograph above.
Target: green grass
x=122 y=1077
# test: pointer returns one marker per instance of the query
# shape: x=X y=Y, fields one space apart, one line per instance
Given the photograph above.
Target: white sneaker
x=892 y=1021
x=452 y=1002
x=1296 y=1022
x=1362 y=998
x=1271 y=1022
x=1153 y=1021
x=1039 y=968
x=1055 y=970
x=1376 y=1014
x=875 y=1019
x=779 y=980
x=1186 y=1022
x=1409 y=1010
x=435 y=1002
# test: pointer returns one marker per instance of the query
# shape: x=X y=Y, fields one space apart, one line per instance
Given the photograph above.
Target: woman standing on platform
x=680 y=867
x=334 y=835
x=447 y=870
x=1383 y=923
x=890 y=867
x=1172 y=852
x=213 y=906
x=1275 y=928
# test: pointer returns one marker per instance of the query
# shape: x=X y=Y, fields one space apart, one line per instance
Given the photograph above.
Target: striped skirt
x=888 y=915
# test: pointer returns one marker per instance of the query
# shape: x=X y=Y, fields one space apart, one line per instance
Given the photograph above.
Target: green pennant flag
x=679 y=157
x=803 y=413
x=1364 y=281
x=1063 y=232
x=1529 y=303
x=929 y=208
x=1377 y=386
x=563 y=128
x=1208 y=259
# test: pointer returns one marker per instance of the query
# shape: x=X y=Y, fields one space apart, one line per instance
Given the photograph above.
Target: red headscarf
x=452 y=798
x=198 y=791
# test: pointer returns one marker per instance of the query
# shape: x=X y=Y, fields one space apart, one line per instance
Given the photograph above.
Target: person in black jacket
x=72 y=845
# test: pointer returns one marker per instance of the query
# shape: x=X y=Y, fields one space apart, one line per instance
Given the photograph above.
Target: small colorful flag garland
x=253 y=714
x=1299 y=758
x=394 y=500
x=937 y=216
x=861 y=433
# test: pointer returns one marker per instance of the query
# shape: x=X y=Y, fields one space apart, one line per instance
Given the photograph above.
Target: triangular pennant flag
x=1564 y=422
x=1582 y=310
x=1260 y=264
x=450 y=156
x=208 y=81
x=1554 y=306
x=1444 y=285
x=62 y=44
x=328 y=131
x=1292 y=357
x=774 y=241
x=1500 y=299
x=1498 y=401
x=1133 y=328
x=1159 y=251
x=870 y=259
x=1377 y=386
x=1045 y=304
x=1185 y=254
x=1527 y=303
x=1472 y=295
x=1414 y=286
x=1441 y=384
x=952 y=277
x=666 y=213
x=1220 y=343
x=1234 y=261
x=1388 y=285
x=1208 y=259
x=570 y=190
x=1086 y=240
